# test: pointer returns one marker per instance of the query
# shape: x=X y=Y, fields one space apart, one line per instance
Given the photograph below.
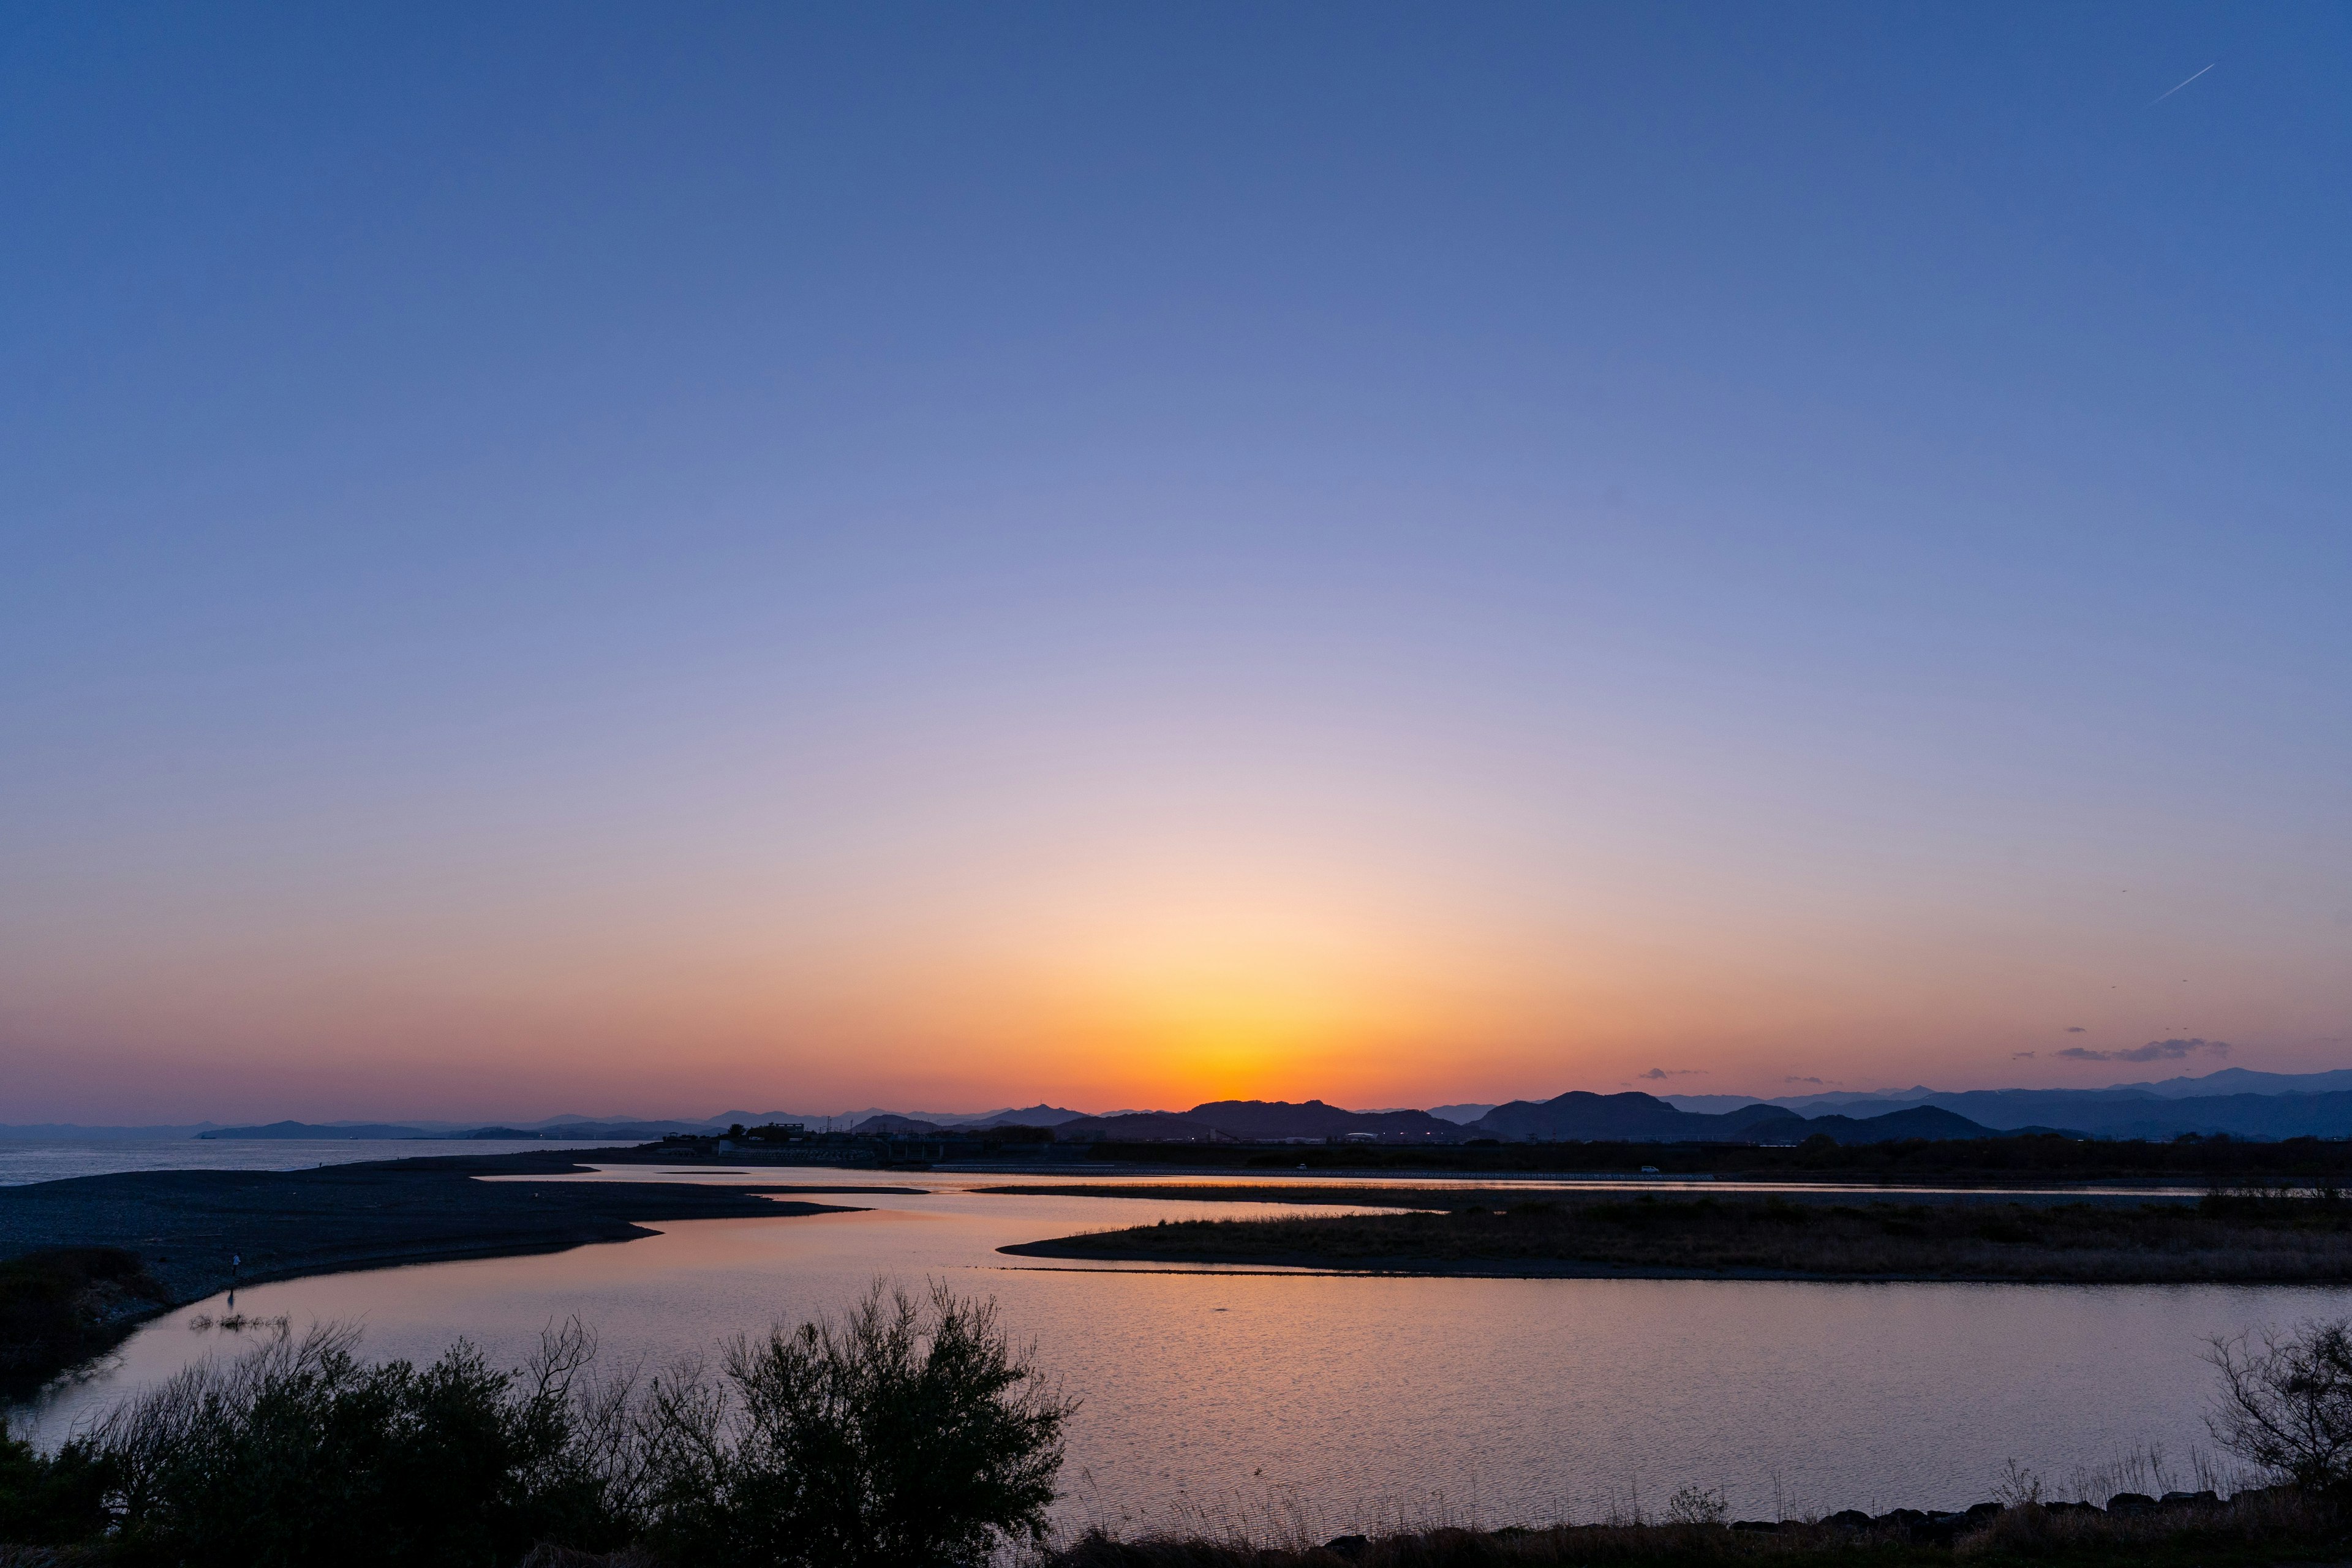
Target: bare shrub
x=2287 y=1405
x=1696 y=1505
x=2017 y=1487
x=907 y=1431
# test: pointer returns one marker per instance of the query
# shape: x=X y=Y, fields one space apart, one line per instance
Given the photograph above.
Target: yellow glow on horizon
x=1240 y=1000
x=1232 y=1041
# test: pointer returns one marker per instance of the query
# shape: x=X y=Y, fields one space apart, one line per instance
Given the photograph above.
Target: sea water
x=24 y=1160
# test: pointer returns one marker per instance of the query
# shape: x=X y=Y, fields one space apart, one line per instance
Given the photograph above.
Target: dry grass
x=1460 y=1548
x=2247 y=1523
x=2292 y=1241
x=547 y=1556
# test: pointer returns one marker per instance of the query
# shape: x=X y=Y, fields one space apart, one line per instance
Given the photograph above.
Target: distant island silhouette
x=2238 y=1102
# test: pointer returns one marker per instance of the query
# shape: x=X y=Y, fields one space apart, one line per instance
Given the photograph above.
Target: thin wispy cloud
x=1658 y=1074
x=2169 y=91
x=2154 y=1051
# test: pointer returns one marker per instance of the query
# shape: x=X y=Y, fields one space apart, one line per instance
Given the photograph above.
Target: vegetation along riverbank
x=2262 y=1527
x=911 y=1433
x=2031 y=1157
x=2233 y=1237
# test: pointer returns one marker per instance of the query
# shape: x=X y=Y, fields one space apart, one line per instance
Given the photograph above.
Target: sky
x=612 y=558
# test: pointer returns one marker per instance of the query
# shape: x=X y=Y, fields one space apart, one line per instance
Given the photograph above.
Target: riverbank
x=2019 y=1158
x=2217 y=1241
x=182 y=1230
x=2265 y=1527
x=1506 y=1194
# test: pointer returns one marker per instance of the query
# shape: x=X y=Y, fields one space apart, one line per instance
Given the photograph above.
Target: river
x=1288 y=1402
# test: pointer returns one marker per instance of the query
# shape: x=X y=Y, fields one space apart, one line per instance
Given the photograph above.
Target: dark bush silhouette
x=907 y=1433
x=300 y=1454
x=52 y=1500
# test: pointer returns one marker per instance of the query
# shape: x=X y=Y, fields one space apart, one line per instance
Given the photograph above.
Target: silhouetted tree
x=910 y=1432
x=2287 y=1404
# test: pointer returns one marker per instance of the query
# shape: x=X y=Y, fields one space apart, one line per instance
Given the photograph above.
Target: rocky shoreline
x=2258 y=1525
x=1943 y=1527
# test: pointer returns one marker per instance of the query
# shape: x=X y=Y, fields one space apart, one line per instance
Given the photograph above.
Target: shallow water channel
x=1274 y=1399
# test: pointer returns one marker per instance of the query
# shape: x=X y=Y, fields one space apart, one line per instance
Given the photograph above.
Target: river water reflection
x=1267 y=1396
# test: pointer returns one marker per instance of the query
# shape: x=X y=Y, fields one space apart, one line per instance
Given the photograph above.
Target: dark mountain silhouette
x=1631 y=1116
x=2243 y=1080
x=2135 y=1112
x=1039 y=1115
x=1914 y=1122
x=1141 y=1126
x=2239 y=1101
x=1636 y=1117
x=1766 y=1121
x=1281 y=1119
x=2327 y=1115
x=888 y=1126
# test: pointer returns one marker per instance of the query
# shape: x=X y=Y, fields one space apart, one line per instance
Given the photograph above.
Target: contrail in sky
x=2162 y=96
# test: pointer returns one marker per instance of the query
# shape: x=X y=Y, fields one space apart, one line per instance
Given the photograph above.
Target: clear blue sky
x=569 y=556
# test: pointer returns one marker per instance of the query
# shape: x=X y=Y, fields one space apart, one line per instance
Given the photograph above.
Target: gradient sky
x=657 y=558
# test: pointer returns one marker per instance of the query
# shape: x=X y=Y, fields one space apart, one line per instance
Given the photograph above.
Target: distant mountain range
x=1581 y=1117
x=594 y=1129
x=2237 y=1101
x=1575 y=1116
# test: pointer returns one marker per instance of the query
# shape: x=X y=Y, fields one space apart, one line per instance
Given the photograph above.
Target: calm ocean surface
x=29 y=1159
x=1275 y=1400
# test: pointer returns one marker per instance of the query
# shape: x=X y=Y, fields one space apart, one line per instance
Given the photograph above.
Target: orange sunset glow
x=1291 y=609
